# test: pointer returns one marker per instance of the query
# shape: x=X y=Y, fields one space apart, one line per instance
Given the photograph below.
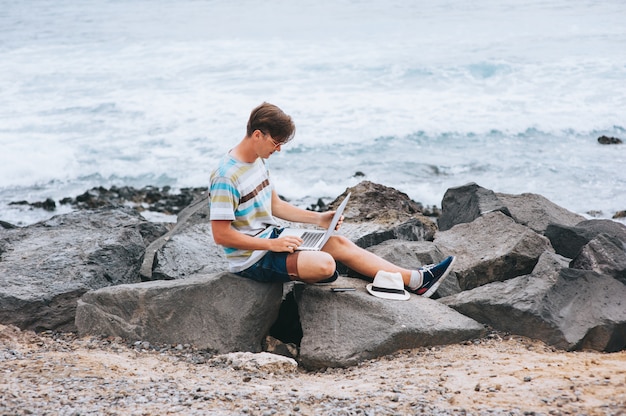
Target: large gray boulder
x=537 y=212
x=566 y=308
x=568 y=240
x=345 y=328
x=220 y=312
x=189 y=251
x=188 y=248
x=46 y=267
x=491 y=248
x=604 y=254
x=465 y=203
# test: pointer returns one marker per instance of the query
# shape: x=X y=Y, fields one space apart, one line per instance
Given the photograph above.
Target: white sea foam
x=417 y=95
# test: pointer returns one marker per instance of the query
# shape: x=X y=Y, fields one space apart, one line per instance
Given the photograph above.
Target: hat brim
x=385 y=295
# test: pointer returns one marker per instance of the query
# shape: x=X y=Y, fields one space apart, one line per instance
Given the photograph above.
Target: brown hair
x=271 y=120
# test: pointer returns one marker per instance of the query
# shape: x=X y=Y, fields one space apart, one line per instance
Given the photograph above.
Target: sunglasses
x=274 y=142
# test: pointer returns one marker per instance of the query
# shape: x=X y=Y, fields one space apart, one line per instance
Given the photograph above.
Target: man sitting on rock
x=243 y=204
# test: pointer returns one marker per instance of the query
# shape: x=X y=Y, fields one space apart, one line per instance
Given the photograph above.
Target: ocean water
x=418 y=95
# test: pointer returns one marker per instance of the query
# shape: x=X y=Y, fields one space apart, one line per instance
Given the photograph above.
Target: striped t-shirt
x=241 y=192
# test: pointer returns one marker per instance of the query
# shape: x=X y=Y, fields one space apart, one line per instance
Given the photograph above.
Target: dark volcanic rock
x=537 y=212
x=491 y=248
x=604 y=254
x=221 y=312
x=373 y=202
x=342 y=329
x=46 y=267
x=506 y=276
x=569 y=240
x=465 y=203
x=609 y=140
x=567 y=308
x=149 y=198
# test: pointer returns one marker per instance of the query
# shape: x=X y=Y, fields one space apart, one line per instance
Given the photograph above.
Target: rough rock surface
x=498 y=250
x=46 y=267
x=223 y=312
x=568 y=240
x=609 y=140
x=465 y=203
x=344 y=328
x=604 y=254
x=187 y=252
x=372 y=202
x=187 y=248
x=491 y=248
x=149 y=198
x=537 y=212
x=564 y=307
x=261 y=362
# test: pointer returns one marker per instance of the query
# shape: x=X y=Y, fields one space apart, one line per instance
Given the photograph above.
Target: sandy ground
x=61 y=374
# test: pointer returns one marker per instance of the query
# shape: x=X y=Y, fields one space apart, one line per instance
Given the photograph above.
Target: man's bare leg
x=319 y=265
x=361 y=260
x=314 y=266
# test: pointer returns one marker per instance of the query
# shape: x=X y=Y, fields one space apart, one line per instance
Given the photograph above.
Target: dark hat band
x=387 y=290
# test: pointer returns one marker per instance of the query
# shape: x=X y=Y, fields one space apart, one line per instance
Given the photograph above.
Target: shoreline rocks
x=149 y=198
x=499 y=247
x=45 y=268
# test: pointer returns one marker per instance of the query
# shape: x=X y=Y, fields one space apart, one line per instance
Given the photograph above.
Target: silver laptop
x=315 y=239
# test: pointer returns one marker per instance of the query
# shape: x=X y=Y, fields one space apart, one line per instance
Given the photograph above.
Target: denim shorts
x=271 y=268
x=275 y=267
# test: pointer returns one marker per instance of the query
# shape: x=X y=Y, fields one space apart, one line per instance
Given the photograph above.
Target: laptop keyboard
x=310 y=239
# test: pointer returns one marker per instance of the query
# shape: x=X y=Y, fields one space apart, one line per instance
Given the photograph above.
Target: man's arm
x=227 y=236
x=284 y=210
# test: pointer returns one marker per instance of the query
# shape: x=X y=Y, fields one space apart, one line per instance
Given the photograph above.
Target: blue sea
x=417 y=95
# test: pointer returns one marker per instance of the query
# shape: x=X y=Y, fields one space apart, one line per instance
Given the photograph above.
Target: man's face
x=270 y=146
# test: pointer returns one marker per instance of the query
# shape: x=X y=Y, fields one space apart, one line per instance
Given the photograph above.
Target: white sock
x=416 y=279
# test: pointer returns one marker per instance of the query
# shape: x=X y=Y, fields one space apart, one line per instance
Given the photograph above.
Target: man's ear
x=257 y=135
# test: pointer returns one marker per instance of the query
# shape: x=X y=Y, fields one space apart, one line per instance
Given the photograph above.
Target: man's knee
x=327 y=266
x=316 y=266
